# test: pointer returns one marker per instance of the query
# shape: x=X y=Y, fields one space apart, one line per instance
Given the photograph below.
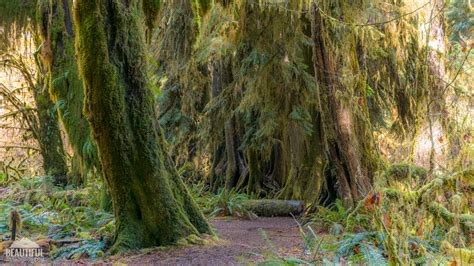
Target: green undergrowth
x=69 y=219
x=222 y=203
x=73 y=221
x=413 y=219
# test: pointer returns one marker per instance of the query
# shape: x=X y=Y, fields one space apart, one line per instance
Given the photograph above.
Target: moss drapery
x=15 y=18
x=151 y=203
x=261 y=76
x=342 y=142
x=333 y=104
x=295 y=98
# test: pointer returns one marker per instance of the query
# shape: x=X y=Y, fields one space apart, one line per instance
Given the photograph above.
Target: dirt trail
x=239 y=238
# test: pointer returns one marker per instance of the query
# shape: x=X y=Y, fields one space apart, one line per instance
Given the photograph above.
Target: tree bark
x=436 y=107
x=50 y=142
x=430 y=148
x=218 y=158
x=221 y=79
x=151 y=203
x=232 y=171
x=65 y=85
x=337 y=118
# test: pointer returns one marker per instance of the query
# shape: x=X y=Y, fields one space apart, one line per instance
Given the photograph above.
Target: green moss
x=50 y=141
x=465 y=220
x=65 y=85
x=151 y=204
x=15 y=19
x=151 y=8
x=406 y=171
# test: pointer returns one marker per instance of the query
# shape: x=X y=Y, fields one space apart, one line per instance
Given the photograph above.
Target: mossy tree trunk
x=222 y=78
x=151 y=203
x=49 y=136
x=218 y=151
x=65 y=86
x=14 y=19
x=338 y=120
x=233 y=158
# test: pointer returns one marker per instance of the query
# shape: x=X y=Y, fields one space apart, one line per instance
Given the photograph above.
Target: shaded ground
x=239 y=240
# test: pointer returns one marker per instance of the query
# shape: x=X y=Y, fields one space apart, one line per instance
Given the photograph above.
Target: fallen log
x=271 y=208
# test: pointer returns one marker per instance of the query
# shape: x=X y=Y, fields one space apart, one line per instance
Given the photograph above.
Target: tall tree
x=436 y=109
x=17 y=14
x=49 y=137
x=42 y=122
x=151 y=203
x=348 y=138
x=65 y=86
x=430 y=150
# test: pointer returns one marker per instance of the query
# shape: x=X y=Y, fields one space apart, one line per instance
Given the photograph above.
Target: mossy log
x=270 y=208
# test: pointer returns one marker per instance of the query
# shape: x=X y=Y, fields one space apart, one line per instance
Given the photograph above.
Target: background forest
x=127 y=125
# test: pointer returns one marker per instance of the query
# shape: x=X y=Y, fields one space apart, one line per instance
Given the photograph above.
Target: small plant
x=90 y=248
x=364 y=247
x=330 y=218
x=64 y=215
x=227 y=203
x=3 y=177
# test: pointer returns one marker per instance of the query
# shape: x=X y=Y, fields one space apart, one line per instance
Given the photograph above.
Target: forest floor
x=240 y=242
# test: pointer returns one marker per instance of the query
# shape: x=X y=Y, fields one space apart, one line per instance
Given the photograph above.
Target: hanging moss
x=306 y=90
x=181 y=84
x=15 y=17
x=267 y=64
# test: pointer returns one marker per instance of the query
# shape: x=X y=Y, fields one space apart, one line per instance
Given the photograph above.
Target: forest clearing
x=237 y=132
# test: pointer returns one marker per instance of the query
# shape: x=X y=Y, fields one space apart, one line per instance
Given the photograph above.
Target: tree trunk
x=436 y=107
x=65 y=85
x=151 y=203
x=232 y=171
x=255 y=174
x=218 y=158
x=50 y=142
x=433 y=128
x=341 y=142
x=221 y=79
